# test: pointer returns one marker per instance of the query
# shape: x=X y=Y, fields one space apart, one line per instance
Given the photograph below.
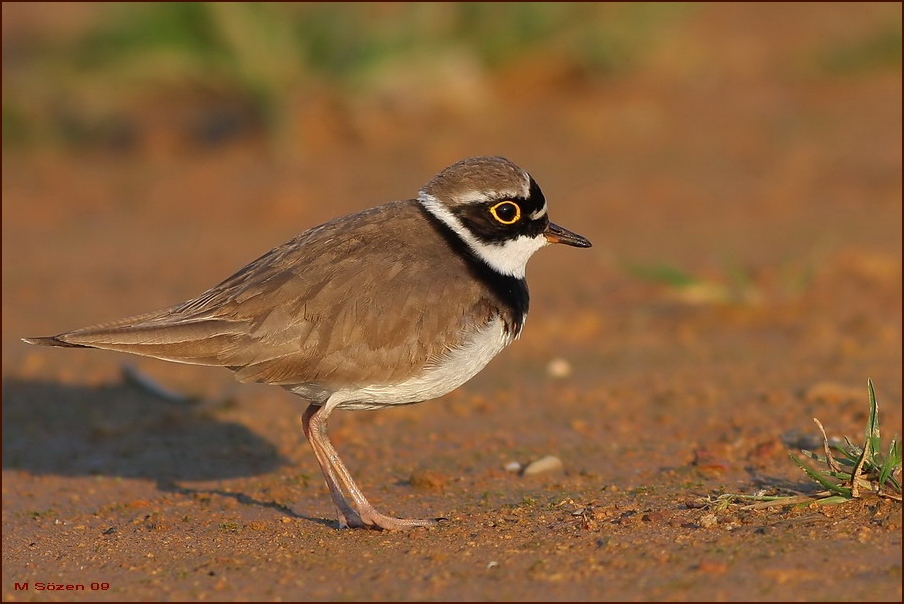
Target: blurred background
x=723 y=155
x=713 y=148
x=145 y=77
x=714 y=153
x=92 y=73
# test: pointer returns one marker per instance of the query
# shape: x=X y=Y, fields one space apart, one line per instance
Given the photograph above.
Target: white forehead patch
x=480 y=196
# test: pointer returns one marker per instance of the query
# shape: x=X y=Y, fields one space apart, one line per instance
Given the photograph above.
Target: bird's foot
x=369 y=518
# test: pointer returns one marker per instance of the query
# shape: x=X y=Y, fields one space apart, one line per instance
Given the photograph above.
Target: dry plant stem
x=855 y=475
x=833 y=465
x=888 y=495
x=782 y=502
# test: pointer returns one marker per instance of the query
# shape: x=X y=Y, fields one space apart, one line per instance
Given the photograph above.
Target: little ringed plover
x=393 y=305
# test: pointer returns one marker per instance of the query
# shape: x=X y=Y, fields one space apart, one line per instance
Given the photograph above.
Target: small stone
x=550 y=463
x=427 y=479
x=512 y=466
x=559 y=368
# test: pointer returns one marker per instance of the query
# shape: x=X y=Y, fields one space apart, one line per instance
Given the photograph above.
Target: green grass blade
x=834 y=499
x=872 y=426
x=820 y=478
x=891 y=462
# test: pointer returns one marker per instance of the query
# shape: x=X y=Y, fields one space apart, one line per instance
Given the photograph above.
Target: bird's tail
x=52 y=341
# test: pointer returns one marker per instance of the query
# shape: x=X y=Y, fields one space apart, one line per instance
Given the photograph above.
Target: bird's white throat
x=508 y=257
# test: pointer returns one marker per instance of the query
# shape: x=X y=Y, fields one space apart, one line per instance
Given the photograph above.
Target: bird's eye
x=506 y=212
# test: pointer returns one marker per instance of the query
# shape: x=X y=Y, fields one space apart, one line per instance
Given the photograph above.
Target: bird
x=393 y=305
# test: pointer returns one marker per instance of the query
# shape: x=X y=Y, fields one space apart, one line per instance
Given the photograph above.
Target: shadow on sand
x=120 y=430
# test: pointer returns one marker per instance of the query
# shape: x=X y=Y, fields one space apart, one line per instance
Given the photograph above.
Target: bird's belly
x=439 y=377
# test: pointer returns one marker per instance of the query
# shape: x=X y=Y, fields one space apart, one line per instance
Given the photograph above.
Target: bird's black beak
x=556 y=234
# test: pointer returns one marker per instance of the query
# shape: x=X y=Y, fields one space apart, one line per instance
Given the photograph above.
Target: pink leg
x=360 y=513
x=344 y=511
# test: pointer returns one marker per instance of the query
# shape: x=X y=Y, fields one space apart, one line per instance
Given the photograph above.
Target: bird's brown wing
x=367 y=298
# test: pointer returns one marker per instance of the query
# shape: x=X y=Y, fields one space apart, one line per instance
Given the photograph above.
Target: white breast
x=440 y=377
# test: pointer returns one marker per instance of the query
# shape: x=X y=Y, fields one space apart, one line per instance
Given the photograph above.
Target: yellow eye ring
x=506 y=216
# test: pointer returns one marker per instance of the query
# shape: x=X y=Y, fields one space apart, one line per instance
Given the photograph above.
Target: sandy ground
x=726 y=157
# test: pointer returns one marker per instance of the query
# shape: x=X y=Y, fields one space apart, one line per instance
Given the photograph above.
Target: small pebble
x=559 y=368
x=512 y=466
x=550 y=463
x=427 y=479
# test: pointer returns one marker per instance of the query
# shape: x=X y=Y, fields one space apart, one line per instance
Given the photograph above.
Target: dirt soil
x=726 y=157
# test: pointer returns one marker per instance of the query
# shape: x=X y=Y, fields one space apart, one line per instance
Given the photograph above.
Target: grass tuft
x=851 y=469
x=846 y=471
